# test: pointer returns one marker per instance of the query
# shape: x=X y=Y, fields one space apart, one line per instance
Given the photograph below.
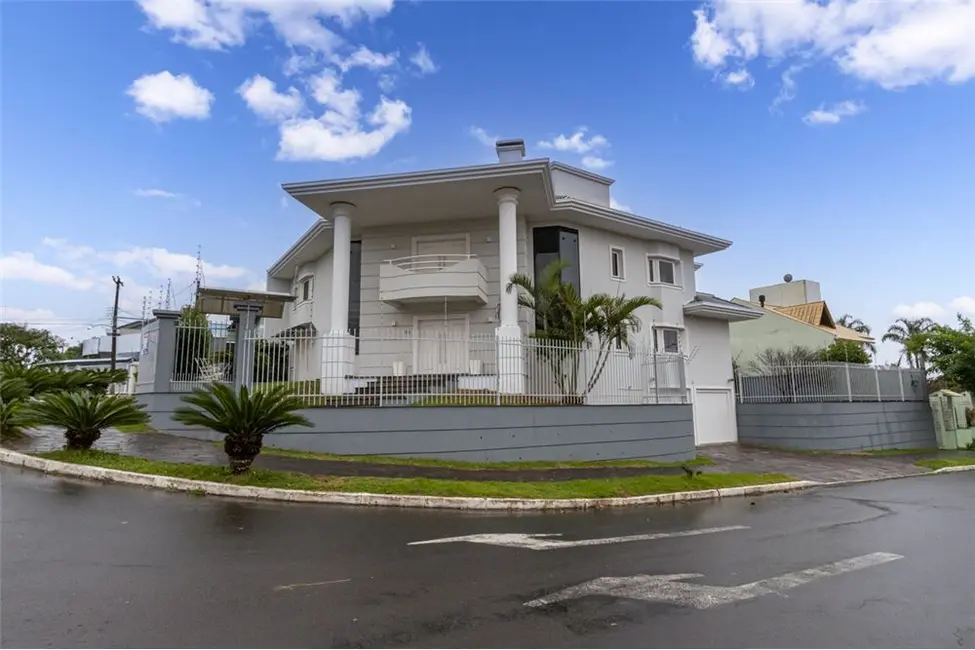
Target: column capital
x=341 y=209
x=506 y=194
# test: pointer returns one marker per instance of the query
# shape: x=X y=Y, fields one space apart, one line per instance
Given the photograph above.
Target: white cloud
x=787 y=91
x=342 y=133
x=219 y=24
x=740 y=79
x=66 y=249
x=595 y=162
x=162 y=97
x=386 y=82
x=613 y=203
x=483 y=136
x=363 y=57
x=922 y=309
x=964 y=304
x=155 y=193
x=422 y=60
x=833 y=114
x=17 y=315
x=263 y=98
x=162 y=263
x=257 y=285
x=892 y=44
x=576 y=143
x=24 y=266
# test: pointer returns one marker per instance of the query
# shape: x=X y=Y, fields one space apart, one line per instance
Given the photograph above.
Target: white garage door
x=714 y=416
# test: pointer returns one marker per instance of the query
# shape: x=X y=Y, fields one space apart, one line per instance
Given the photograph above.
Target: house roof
x=707 y=305
x=815 y=314
x=467 y=192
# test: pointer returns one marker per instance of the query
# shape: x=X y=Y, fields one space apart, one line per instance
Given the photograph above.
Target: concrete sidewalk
x=826 y=468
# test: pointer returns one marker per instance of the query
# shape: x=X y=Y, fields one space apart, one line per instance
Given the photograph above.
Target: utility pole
x=118 y=285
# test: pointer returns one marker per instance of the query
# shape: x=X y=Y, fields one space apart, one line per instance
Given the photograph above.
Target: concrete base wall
x=662 y=432
x=838 y=426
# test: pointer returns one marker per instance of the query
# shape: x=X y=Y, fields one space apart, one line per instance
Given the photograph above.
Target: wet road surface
x=90 y=565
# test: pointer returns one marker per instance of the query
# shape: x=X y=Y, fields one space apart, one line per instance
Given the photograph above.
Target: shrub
x=84 y=414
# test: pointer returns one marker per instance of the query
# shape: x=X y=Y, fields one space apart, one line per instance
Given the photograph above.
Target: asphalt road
x=91 y=565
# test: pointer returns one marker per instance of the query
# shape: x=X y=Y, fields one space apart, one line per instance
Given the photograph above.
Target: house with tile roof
x=794 y=315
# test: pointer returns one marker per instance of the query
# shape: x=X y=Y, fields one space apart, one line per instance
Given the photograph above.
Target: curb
x=952 y=470
x=170 y=483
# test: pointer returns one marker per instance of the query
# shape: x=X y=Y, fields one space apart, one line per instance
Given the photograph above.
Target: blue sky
x=831 y=140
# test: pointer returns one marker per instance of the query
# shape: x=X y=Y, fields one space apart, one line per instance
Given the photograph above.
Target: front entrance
x=441 y=346
x=714 y=416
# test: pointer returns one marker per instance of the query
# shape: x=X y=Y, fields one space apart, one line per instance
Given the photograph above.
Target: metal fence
x=203 y=353
x=407 y=367
x=830 y=382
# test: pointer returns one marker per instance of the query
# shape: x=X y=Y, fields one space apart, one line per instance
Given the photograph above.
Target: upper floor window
x=667 y=339
x=616 y=269
x=304 y=290
x=661 y=271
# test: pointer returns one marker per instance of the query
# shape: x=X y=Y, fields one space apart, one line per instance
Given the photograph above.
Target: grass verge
x=587 y=488
x=463 y=464
x=941 y=463
x=136 y=428
x=897 y=452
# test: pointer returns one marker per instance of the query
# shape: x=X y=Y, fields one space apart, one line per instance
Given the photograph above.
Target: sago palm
x=244 y=417
x=14 y=394
x=83 y=415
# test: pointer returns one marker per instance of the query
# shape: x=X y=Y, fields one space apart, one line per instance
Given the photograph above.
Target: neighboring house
x=794 y=315
x=409 y=271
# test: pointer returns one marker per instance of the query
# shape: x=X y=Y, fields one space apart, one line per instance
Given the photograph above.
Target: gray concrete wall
x=511 y=433
x=838 y=426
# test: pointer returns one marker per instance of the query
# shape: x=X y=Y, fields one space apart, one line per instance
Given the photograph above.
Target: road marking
x=298 y=585
x=672 y=589
x=541 y=541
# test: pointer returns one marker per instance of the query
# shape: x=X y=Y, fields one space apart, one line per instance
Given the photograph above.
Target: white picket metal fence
x=402 y=366
x=829 y=382
x=203 y=353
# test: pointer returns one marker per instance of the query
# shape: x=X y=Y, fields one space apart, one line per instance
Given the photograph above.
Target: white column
x=511 y=362
x=338 y=346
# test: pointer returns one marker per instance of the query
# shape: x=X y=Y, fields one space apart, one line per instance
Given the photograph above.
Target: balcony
x=433 y=279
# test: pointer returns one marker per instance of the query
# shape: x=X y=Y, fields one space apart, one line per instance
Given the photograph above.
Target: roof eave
x=313 y=231
x=561 y=166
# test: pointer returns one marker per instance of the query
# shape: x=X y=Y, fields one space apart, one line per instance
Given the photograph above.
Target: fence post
x=900 y=381
x=795 y=391
x=165 y=352
x=244 y=344
x=876 y=379
x=849 y=388
x=741 y=398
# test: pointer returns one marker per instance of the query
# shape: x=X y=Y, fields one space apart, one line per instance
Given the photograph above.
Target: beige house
x=794 y=315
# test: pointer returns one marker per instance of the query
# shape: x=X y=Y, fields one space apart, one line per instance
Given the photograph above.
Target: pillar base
x=511 y=360
x=338 y=349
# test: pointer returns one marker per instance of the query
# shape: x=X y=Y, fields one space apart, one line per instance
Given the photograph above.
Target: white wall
x=784 y=294
x=584 y=189
x=773 y=331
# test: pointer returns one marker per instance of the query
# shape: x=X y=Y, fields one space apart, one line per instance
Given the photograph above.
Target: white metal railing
x=829 y=382
x=202 y=354
x=428 y=263
x=405 y=367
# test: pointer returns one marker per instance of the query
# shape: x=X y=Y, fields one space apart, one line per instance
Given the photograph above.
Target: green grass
x=136 y=428
x=941 y=463
x=462 y=464
x=587 y=488
x=897 y=452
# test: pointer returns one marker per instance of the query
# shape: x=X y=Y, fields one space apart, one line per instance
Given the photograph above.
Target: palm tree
x=857 y=325
x=84 y=414
x=14 y=393
x=911 y=334
x=568 y=324
x=243 y=417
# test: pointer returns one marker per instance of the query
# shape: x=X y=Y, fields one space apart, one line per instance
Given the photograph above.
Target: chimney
x=510 y=151
x=761 y=300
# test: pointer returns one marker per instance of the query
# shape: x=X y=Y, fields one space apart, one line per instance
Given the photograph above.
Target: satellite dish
x=788 y=277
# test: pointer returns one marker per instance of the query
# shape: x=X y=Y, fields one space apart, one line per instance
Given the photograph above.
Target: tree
x=953 y=354
x=27 y=346
x=846 y=352
x=72 y=352
x=569 y=327
x=14 y=394
x=83 y=414
x=244 y=418
x=857 y=325
x=911 y=334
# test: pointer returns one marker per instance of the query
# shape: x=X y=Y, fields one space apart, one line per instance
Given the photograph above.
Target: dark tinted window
x=355 y=283
x=557 y=243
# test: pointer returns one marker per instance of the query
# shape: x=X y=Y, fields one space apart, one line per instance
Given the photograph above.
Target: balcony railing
x=433 y=278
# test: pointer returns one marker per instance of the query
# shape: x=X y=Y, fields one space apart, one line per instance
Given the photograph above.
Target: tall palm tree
x=857 y=325
x=243 y=417
x=911 y=334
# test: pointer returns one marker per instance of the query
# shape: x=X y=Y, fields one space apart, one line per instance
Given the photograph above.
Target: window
x=306 y=290
x=667 y=340
x=556 y=243
x=660 y=271
x=355 y=287
x=616 y=263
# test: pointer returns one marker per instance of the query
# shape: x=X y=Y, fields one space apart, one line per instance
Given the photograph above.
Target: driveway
x=874 y=565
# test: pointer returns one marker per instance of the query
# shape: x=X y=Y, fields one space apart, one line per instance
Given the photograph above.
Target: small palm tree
x=84 y=414
x=911 y=334
x=243 y=417
x=14 y=393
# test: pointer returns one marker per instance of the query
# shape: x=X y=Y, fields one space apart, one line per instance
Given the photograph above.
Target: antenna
x=788 y=277
x=169 y=293
x=199 y=273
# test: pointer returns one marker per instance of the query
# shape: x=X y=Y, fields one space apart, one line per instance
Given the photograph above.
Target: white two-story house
x=408 y=272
